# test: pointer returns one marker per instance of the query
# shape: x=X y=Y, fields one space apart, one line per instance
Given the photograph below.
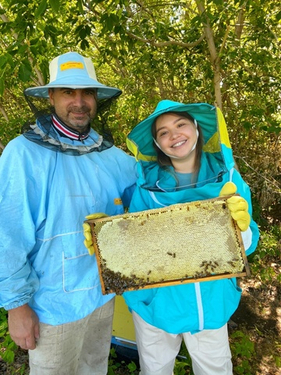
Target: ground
x=258 y=316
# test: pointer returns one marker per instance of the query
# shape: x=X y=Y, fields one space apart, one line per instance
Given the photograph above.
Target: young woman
x=184 y=155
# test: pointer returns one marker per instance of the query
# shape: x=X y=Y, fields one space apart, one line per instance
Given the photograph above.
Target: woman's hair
x=164 y=160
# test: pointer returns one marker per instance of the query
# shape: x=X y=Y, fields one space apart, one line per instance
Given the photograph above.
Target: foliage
x=265 y=260
x=114 y=366
x=226 y=53
x=242 y=350
x=7 y=346
x=183 y=364
x=208 y=51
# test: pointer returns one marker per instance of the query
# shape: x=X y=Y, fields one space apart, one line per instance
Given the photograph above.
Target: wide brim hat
x=71 y=70
x=209 y=118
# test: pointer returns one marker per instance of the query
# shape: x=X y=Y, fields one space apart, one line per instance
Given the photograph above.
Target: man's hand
x=97 y=215
x=88 y=242
x=24 y=326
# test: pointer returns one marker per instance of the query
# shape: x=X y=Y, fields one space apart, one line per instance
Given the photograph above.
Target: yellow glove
x=88 y=242
x=228 y=189
x=96 y=216
x=237 y=206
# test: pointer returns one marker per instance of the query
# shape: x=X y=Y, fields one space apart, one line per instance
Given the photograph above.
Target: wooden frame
x=214 y=246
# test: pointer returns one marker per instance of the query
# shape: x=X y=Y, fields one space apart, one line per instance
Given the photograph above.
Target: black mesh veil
x=48 y=137
x=41 y=107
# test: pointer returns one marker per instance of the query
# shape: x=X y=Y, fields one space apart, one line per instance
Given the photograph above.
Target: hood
x=209 y=118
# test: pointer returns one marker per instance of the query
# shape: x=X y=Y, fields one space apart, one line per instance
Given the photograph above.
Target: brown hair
x=164 y=160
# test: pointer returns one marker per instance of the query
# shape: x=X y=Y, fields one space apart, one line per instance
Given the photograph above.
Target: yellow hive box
x=123 y=327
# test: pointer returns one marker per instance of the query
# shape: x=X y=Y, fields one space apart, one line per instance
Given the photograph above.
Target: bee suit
x=51 y=178
x=163 y=315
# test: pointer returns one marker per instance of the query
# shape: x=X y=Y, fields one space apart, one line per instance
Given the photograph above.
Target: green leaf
x=80 y=6
x=84 y=44
x=278 y=361
x=2 y=86
x=218 y=2
x=25 y=71
x=132 y=366
x=278 y=16
x=8 y=356
x=55 y=5
x=41 y=9
x=3 y=61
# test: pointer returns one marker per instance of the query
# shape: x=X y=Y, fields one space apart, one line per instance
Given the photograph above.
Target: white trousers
x=209 y=350
x=78 y=348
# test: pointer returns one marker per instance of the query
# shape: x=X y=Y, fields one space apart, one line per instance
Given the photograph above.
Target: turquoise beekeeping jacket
x=195 y=306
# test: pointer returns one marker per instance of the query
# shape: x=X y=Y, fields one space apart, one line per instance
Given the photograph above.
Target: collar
x=153 y=177
x=66 y=131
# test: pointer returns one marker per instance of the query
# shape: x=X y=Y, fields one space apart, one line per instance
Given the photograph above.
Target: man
x=52 y=176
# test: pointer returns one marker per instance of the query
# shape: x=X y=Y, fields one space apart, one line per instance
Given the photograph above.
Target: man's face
x=76 y=108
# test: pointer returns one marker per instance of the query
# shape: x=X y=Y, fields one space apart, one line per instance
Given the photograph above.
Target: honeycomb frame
x=214 y=246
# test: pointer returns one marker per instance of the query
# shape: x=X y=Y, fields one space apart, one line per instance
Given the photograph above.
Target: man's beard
x=74 y=119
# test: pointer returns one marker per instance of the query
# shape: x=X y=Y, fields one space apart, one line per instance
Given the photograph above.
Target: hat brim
x=140 y=140
x=103 y=92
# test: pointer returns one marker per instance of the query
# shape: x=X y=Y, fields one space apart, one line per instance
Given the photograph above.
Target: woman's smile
x=178 y=144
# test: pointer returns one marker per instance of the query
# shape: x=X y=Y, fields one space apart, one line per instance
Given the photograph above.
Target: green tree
x=225 y=53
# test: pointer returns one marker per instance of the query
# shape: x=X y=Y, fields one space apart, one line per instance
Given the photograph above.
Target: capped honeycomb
x=182 y=243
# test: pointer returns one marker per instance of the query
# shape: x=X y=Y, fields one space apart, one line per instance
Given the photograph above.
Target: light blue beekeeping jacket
x=195 y=306
x=45 y=195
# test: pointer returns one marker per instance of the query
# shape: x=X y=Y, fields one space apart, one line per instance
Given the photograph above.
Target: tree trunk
x=215 y=61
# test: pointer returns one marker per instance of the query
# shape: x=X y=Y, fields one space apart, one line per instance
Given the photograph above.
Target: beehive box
x=183 y=243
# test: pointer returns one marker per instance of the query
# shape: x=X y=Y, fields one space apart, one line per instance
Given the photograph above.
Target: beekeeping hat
x=208 y=117
x=73 y=71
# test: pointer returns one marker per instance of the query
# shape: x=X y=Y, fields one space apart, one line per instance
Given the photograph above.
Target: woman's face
x=176 y=136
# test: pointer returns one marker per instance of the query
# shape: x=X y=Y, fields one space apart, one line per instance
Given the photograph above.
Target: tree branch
x=272 y=182
x=215 y=61
x=223 y=42
x=4 y=113
x=168 y=43
x=2 y=146
x=120 y=70
x=240 y=21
